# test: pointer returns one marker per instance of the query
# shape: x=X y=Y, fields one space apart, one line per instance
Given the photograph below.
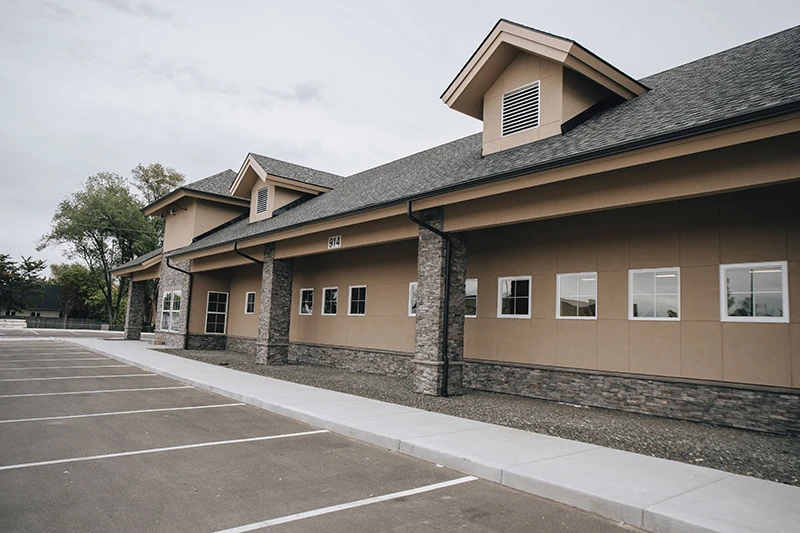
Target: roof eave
x=177 y=194
x=712 y=127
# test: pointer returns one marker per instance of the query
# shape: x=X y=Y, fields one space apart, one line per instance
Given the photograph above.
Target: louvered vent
x=521 y=109
x=261 y=200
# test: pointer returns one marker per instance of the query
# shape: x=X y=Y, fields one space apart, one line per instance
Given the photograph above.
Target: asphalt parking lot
x=90 y=444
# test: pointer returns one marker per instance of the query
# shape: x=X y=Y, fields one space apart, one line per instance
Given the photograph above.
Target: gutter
x=648 y=142
x=188 y=300
x=253 y=259
x=446 y=318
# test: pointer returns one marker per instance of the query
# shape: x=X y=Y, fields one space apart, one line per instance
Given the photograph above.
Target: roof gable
x=465 y=93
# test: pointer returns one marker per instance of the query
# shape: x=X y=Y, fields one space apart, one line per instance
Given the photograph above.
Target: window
x=514 y=297
x=170 y=310
x=654 y=294
x=472 y=298
x=249 y=303
x=330 y=300
x=413 y=288
x=577 y=295
x=358 y=301
x=307 y=301
x=262 y=199
x=520 y=110
x=36 y=314
x=216 y=311
x=754 y=292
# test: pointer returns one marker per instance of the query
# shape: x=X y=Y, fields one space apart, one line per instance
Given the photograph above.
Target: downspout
x=253 y=259
x=446 y=318
x=188 y=300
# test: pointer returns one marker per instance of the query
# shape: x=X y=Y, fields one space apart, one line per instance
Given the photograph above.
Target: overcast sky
x=102 y=85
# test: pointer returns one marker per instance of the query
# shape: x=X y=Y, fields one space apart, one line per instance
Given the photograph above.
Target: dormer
x=526 y=85
x=274 y=186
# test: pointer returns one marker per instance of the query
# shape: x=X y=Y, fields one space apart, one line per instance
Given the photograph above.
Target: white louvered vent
x=261 y=200
x=521 y=109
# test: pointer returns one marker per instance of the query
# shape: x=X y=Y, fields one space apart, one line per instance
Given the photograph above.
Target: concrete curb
x=646 y=492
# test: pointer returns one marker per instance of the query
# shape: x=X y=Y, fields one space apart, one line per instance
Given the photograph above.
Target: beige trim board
x=180 y=194
x=735 y=136
x=138 y=268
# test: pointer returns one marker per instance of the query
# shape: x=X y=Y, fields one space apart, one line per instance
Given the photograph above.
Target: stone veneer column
x=134 y=314
x=173 y=280
x=272 y=347
x=428 y=356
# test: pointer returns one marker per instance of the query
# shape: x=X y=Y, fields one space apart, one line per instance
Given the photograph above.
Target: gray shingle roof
x=282 y=169
x=219 y=184
x=758 y=77
x=139 y=260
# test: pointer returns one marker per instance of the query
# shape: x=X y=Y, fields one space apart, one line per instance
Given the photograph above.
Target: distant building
x=47 y=306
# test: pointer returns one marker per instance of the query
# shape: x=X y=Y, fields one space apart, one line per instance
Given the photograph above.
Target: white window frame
x=723 y=292
x=410 y=293
x=227 y=307
x=246 y=295
x=171 y=311
x=476 y=297
x=350 y=300
x=630 y=294
x=300 y=303
x=322 y=302
x=500 y=281
x=558 y=296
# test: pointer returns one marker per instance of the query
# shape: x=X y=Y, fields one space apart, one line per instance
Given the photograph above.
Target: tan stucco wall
x=179 y=228
x=243 y=280
x=386 y=270
x=199 y=217
x=278 y=197
x=523 y=70
x=697 y=235
x=202 y=283
x=562 y=95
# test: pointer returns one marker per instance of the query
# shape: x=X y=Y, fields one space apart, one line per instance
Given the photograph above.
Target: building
x=629 y=244
x=48 y=305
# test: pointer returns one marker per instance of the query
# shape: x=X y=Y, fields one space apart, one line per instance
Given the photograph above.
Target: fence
x=70 y=323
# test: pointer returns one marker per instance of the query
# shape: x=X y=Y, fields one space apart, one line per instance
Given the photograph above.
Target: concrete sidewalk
x=647 y=492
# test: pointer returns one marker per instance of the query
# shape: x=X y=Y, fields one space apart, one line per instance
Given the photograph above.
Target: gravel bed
x=751 y=453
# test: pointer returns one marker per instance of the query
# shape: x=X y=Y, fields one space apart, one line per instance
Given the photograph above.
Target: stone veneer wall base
x=205 y=342
x=245 y=345
x=386 y=363
x=756 y=408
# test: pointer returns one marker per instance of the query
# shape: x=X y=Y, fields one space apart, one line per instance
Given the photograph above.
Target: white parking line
x=157 y=450
x=79 y=377
x=350 y=505
x=58 y=359
x=139 y=411
x=17 y=354
x=60 y=367
x=91 y=392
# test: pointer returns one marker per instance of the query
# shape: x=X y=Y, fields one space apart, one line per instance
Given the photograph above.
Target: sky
x=103 y=85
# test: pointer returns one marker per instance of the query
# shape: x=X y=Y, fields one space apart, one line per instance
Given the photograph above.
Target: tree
x=77 y=287
x=154 y=180
x=20 y=283
x=103 y=225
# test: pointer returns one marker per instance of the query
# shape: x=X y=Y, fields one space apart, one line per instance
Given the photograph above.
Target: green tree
x=77 y=287
x=155 y=180
x=21 y=284
x=103 y=225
